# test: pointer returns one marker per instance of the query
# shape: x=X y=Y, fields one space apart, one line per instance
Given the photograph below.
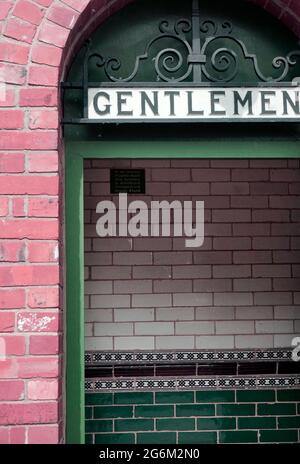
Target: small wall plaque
x=127 y=181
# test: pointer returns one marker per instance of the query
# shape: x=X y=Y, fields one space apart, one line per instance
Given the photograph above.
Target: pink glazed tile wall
x=241 y=289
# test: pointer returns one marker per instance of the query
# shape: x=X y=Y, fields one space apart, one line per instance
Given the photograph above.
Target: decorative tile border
x=97 y=358
x=96 y=385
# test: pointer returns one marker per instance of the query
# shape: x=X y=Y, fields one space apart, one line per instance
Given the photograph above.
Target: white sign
x=135 y=104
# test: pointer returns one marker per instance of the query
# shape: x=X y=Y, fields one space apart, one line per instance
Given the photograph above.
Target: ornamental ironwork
x=200 y=52
x=198 y=59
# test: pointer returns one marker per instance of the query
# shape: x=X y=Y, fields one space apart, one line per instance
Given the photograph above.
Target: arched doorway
x=157 y=144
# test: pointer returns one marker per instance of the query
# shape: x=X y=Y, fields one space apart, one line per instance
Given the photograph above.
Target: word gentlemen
x=112 y=104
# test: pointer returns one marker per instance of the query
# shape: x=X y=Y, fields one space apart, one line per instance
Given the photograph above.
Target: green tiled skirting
x=191 y=417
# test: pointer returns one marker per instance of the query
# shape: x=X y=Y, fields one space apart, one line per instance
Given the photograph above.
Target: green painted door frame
x=76 y=152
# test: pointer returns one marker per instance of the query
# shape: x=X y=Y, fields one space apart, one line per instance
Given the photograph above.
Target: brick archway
x=39 y=39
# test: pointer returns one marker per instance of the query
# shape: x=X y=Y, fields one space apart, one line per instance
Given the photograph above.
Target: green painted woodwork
x=195 y=149
x=74 y=301
x=76 y=152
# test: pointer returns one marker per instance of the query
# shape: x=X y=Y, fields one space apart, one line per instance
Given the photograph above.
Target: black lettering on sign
x=127 y=181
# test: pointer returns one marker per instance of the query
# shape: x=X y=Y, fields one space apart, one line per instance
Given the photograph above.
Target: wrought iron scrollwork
x=211 y=27
x=206 y=45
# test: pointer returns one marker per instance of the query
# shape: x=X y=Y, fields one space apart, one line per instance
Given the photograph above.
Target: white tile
x=254 y=341
x=154 y=328
x=151 y=300
x=254 y=312
x=134 y=343
x=274 y=327
x=173 y=343
x=106 y=328
x=213 y=313
x=98 y=315
x=96 y=287
x=110 y=301
x=98 y=343
x=287 y=312
x=234 y=327
x=175 y=314
x=215 y=342
x=132 y=315
x=192 y=299
x=284 y=340
x=194 y=328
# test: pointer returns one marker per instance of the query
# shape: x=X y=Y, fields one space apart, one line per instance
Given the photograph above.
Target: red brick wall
x=39 y=37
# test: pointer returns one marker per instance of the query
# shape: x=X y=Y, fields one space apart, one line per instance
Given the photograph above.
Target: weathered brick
x=7 y=98
x=37 y=140
x=43 y=119
x=7 y=321
x=28 y=413
x=12 y=162
x=44 y=344
x=43 y=207
x=38 y=322
x=28 y=11
x=17 y=435
x=46 y=54
x=14 y=53
x=14 y=344
x=53 y=34
x=13 y=73
x=20 y=30
x=42 y=252
x=78 y=5
x=63 y=16
x=11 y=390
x=42 y=389
x=32 y=185
x=19 y=209
x=39 y=96
x=12 y=298
x=11 y=119
x=30 y=228
x=38 y=366
x=43 y=434
x=4 y=8
x=3 y=212
x=12 y=251
x=43 y=162
x=28 y=275
x=42 y=75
